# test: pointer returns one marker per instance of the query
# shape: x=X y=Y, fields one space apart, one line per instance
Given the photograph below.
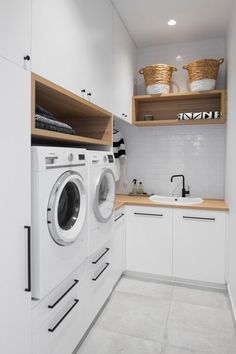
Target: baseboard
x=173 y=280
x=233 y=310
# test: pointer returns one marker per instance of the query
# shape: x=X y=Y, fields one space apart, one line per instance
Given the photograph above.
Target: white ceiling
x=146 y=20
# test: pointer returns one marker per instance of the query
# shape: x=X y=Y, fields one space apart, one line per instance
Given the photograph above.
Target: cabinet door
x=149 y=240
x=124 y=54
x=15 y=304
x=59 y=42
x=99 y=52
x=199 y=245
x=15 y=30
x=118 y=244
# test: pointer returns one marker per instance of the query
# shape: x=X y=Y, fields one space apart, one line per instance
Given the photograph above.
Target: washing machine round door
x=105 y=195
x=67 y=208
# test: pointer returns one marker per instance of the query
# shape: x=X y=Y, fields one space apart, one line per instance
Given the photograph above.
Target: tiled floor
x=143 y=317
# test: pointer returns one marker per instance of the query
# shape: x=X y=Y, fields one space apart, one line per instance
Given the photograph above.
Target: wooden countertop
x=207 y=204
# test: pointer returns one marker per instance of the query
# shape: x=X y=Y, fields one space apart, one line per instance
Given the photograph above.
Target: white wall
x=166 y=54
x=155 y=154
x=231 y=155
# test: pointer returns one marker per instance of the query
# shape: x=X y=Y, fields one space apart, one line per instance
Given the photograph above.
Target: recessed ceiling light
x=171 y=22
x=178 y=57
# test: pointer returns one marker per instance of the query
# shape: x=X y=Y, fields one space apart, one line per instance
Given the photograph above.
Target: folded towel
x=43 y=112
x=42 y=122
x=199 y=115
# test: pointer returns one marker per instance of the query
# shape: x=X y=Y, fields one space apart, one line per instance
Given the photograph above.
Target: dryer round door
x=67 y=208
x=104 y=200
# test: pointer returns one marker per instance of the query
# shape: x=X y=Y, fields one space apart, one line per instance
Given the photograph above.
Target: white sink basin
x=175 y=200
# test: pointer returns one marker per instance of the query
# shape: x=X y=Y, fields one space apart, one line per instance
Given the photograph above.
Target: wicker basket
x=203 y=73
x=157 y=78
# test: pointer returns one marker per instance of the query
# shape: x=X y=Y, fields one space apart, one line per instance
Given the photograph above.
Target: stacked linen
x=199 y=115
x=46 y=120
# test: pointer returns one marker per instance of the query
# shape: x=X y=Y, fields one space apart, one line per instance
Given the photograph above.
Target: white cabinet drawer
x=149 y=240
x=100 y=279
x=199 y=245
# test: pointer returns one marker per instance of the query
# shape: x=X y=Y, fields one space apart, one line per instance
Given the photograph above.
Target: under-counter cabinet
x=199 y=245
x=15 y=306
x=124 y=70
x=15 y=31
x=149 y=240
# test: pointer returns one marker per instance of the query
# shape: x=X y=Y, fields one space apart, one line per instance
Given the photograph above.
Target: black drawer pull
x=102 y=255
x=64 y=316
x=120 y=216
x=198 y=218
x=107 y=264
x=160 y=215
x=28 y=289
x=27 y=57
x=63 y=295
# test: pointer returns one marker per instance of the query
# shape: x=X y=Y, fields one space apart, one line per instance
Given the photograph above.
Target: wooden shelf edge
x=179 y=95
x=47 y=134
x=178 y=122
x=36 y=78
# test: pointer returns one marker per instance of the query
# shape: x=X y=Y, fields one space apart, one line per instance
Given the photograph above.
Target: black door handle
x=64 y=316
x=198 y=218
x=102 y=255
x=89 y=94
x=28 y=289
x=27 y=57
x=118 y=217
x=147 y=214
x=83 y=90
x=63 y=295
x=98 y=276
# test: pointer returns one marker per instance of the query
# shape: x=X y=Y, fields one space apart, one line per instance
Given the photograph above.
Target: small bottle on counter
x=140 y=188
x=134 y=188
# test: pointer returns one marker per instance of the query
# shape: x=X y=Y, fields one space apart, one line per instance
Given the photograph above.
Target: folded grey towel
x=199 y=115
x=50 y=124
x=43 y=112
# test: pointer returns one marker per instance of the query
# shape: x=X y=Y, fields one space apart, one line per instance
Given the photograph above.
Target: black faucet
x=184 y=192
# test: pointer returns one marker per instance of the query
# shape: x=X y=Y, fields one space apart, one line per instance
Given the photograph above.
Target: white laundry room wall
x=231 y=158
x=154 y=154
x=178 y=54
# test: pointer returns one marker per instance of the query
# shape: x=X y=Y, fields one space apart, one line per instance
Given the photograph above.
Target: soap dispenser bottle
x=134 y=188
x=140 y=188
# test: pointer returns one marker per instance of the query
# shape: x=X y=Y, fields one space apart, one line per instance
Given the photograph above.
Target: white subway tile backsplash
x=156 y=153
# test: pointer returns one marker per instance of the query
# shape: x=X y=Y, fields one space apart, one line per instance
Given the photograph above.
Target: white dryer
x=59 y=215
x=102 y=189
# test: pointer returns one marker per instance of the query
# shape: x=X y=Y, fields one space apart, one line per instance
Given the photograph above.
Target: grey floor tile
x=159 y=291
x=201 y=328
x=201 y=297
x=170 y=349
x=138 y=316
x=105 y=342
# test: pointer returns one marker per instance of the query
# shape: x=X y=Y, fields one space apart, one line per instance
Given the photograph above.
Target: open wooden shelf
x=93 y=125
x=165 y=107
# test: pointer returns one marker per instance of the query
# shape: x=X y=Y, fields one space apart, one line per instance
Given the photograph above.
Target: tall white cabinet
x=59 y=42
x=124 y=67
x=15 y=302
x=15 y=33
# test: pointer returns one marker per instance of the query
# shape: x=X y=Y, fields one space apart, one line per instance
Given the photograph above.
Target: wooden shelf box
x=165 y=107
x=93 y=125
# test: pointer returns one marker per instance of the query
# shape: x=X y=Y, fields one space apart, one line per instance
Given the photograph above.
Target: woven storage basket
x=203 y=73
x=157 y=78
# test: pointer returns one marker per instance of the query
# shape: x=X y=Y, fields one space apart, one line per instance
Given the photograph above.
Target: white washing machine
x=59 y=215
x=102 y=189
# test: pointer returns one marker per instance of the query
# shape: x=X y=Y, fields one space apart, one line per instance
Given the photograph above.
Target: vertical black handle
x=28 y=289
